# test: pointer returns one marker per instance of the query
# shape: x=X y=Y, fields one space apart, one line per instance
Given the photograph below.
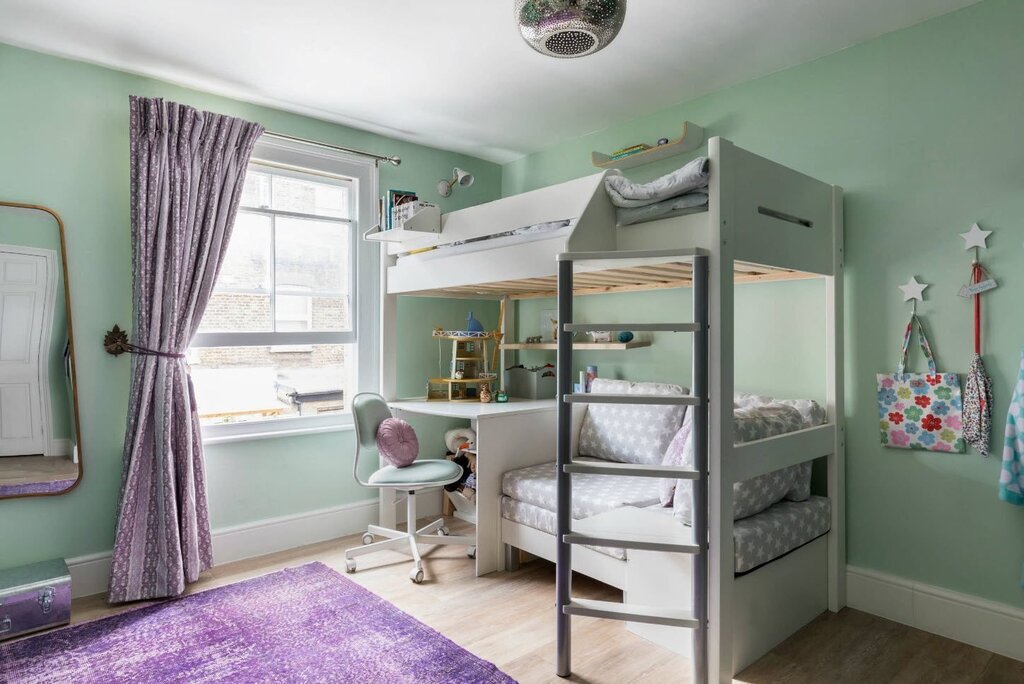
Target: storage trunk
x=34 y=597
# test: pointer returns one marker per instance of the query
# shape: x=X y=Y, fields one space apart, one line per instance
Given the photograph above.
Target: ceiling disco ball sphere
x=569 y=28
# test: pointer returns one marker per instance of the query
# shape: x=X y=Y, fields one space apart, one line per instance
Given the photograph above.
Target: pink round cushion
x=397 y=443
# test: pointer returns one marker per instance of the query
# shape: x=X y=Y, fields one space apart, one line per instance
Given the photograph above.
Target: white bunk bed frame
x=763 y=222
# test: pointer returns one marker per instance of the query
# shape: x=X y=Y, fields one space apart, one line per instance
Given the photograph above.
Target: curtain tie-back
x=136 y=349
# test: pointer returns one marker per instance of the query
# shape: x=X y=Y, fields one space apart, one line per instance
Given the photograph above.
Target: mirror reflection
x=39 y=445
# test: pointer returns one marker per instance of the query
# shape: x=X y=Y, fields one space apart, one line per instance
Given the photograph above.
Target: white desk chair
x=368 y=412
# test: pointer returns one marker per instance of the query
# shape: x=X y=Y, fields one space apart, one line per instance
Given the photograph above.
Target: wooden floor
x=507 y=618
x=29 y=469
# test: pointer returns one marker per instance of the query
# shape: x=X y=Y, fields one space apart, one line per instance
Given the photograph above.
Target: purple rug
x=306 y=624
x=35 y=487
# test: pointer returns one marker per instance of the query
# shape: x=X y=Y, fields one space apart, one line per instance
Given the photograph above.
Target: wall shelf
x=579 y=346
x=691 y=139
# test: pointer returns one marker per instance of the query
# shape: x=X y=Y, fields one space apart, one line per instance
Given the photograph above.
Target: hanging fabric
x=978 y=390
x=187 y=170
x=1011 y=477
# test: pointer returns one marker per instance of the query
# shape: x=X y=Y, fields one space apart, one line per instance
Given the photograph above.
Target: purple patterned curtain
x=187 y=172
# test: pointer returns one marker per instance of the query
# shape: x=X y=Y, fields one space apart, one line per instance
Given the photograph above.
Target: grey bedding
x=761 y=538
x=626 y=194
x=591 y=494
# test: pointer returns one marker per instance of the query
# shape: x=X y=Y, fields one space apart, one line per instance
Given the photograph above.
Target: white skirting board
x=976 y=621
x=90 y=574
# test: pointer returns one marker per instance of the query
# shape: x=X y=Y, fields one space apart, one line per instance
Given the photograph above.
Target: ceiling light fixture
x=459 y=177
x=569 y=28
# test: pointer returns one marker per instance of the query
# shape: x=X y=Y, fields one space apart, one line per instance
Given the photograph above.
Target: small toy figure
x=485 y=393
x=459 y=374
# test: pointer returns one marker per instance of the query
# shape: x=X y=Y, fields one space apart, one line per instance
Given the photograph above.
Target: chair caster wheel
x=443 y=531
x=367 y=539
x=350 y=565
x=471 y=552
x=416 y=576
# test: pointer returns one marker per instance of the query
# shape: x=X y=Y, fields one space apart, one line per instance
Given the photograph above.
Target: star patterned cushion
x=630 y=433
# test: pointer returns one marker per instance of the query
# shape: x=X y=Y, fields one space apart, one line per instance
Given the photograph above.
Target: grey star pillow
x=630 y=433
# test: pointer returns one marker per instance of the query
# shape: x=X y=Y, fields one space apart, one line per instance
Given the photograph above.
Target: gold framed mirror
x=40 y=433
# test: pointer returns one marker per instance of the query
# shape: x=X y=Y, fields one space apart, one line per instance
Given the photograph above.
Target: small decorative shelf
x=579 y=346
x=424 y=223
x=691 y=139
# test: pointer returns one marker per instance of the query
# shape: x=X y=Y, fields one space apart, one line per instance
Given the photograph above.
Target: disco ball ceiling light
x=569 y=28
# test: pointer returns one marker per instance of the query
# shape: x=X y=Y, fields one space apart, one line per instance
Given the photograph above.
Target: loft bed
x=763 y=222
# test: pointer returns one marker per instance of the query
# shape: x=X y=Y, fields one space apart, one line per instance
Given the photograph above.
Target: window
x=279 y=348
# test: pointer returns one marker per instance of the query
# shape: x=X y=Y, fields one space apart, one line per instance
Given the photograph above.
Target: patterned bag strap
x=926 y=348
x=977 y=273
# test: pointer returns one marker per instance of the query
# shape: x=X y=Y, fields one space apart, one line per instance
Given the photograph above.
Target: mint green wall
x=793 y=311
x=29 y=228
x=922 y=129
x=64 y=143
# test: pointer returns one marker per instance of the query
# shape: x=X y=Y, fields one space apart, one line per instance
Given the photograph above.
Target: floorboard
x=508 y=619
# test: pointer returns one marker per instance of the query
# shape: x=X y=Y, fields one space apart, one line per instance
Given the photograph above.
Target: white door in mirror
x=23 y=286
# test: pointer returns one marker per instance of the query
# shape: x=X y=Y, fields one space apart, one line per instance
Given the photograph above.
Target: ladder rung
x=637 y=540
x=634 y=327
x=656 y=399
x=611 y=610
x=631 y=469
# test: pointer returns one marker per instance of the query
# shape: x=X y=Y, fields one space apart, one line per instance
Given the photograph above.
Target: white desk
x=513 y=435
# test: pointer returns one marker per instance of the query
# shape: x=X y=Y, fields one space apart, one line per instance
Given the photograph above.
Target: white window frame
x=281 y=157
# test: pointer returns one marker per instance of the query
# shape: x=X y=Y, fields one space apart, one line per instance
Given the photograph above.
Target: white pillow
x=630 y=433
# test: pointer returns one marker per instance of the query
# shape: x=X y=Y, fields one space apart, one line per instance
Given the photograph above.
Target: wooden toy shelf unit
x=763 y=222
x=469 y=369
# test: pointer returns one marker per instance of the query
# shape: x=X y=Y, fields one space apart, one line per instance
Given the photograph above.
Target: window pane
x=241 y=384
x=256 y=192
x=312 y=268
x=310 y=197
x=241 y=299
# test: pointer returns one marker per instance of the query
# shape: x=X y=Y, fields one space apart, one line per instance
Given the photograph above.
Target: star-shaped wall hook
x=975 y=237
x=913 y=290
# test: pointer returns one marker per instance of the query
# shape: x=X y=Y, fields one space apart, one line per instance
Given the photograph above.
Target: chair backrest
x=369 y=410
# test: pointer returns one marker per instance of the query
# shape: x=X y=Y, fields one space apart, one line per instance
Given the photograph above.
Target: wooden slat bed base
x=633 y=279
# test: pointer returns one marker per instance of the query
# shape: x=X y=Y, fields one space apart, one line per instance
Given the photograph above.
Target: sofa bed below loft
x=774 y=513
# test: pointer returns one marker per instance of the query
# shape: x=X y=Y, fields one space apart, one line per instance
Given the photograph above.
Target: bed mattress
x=591 y=494
x=529 y=499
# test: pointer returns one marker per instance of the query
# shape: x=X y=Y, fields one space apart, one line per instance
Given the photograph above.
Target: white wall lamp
x=459 y=177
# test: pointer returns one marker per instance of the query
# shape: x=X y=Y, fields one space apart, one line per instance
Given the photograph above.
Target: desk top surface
x=472 y=410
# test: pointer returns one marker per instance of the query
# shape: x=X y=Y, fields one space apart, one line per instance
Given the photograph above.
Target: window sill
x=283 y=433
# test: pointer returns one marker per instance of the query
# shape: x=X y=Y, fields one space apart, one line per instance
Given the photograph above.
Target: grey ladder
x=567 y=606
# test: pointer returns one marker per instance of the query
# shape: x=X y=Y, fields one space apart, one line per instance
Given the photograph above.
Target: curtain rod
x=378 y=158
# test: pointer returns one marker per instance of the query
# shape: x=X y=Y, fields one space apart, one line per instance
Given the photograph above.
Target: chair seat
x=428 y=472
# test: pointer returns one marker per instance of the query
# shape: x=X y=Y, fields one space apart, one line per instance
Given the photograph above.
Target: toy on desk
x=534 y=339
x=601 y=336
x=469 y=365
x=501 y=398
x=625 y=336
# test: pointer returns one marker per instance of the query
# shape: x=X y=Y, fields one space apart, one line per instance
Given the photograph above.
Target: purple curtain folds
x=187 y=172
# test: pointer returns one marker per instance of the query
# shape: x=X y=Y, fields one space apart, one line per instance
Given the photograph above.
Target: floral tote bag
x=922 y=411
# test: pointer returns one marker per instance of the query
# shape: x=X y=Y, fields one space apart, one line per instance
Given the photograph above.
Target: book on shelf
x=392 y=199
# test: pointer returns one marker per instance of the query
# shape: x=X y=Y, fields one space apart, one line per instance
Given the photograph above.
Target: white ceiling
x=453 y=74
